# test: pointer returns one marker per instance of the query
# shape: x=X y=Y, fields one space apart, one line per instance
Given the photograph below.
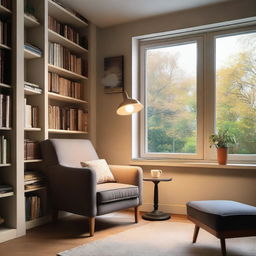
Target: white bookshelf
x=30 y=22
x=64 y=16
x=33 y=161
x=63 y=98
x=30 y=67
x=5 y=85
x=6 y=194
x=66 y=73
x=31 y=55
x=7 y=233
x=4 y=10
x=66 y=131
x=57 y=38
x=37 y=222
x=6 y=47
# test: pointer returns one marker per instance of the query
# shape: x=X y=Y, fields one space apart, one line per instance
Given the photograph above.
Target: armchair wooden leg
x=223 y=246
x=92 y=225
x=196 y=230
x=136 y=214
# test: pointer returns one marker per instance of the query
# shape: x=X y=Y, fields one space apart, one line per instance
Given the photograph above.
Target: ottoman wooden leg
x=196 y=230
x=223 y=246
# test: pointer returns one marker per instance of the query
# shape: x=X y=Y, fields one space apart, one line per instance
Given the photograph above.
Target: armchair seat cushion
x=111 y=192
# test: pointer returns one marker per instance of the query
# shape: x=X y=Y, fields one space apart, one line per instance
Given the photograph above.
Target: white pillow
x=100 y=166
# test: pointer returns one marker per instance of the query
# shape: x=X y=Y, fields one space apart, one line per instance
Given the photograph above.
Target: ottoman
x=222 y=218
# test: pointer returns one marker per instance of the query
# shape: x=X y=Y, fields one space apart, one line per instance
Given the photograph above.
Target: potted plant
x=222 y=140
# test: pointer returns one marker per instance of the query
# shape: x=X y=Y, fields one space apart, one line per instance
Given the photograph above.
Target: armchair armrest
x=132 y=175
x=73 y=189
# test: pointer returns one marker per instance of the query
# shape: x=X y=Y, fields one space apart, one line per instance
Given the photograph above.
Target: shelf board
x=5 y=128
x=66 y=131
x=4 y=10
x=57 y=38
x=60 y=97
x=31 y=55
x=6 y=194
x=30 y=22
x=3 y=46
x=33 y=129
x=31 y=92
x=37 y=222
x=65 y=16
x=66 y=73
x=5 y=165
x=32 y=160
x=7 y=233
x=5 y=85
x=35 y=189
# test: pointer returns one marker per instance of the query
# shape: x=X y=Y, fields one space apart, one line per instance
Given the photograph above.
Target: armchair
x=74 y=189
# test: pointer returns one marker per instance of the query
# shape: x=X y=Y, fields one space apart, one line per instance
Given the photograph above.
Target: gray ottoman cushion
x=222 y=215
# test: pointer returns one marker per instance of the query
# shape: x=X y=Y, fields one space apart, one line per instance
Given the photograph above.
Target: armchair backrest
x=70 y=152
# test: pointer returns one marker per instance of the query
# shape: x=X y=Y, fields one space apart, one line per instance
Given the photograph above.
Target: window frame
x=212 y=50
x=206 y=94
x=199 y=96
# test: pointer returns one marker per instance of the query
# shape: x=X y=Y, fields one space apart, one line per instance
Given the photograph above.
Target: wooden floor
x=70 y=232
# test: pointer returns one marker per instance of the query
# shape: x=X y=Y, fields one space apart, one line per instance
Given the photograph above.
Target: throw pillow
x=103 y=172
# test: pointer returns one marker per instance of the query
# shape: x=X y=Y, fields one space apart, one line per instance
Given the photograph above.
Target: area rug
x=163 y=239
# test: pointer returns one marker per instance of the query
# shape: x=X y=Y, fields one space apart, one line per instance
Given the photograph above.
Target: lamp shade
x=128 y=106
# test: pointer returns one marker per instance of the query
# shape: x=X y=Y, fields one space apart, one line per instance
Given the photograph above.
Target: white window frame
x=212 y=52
x=205 y=94
x=199 y=97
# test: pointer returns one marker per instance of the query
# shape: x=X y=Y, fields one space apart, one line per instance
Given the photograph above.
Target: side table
x=155 y=214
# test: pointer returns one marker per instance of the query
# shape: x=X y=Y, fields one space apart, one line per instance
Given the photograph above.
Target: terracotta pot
x=222 y=155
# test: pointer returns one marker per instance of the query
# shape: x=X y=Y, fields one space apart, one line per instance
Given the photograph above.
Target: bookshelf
x=31 y=66
x=4 y=10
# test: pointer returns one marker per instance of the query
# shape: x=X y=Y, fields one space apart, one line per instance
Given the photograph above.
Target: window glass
x=236 y=89
x=171 y=99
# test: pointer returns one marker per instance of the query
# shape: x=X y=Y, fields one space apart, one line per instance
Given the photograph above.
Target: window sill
x=145 y=162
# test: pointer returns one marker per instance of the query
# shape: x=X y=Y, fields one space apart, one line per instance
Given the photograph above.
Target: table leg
x=156 y=196
x=155 y=214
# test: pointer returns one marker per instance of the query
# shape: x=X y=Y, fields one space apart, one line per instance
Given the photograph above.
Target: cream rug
x=163 y=239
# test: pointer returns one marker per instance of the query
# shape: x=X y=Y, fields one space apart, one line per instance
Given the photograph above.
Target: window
x=236 y=89
x=192 y=85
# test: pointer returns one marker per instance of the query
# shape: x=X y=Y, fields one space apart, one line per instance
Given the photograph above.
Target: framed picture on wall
x=113 y=80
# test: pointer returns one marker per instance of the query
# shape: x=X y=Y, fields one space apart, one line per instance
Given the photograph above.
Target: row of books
x=63 y=86
x=32 y=87
x=5 y=66
x=31 y=115
x=64 y=118
x=32 y=48
x=34 y=207
x=31 y=149
x=6 y=3
x=5 y=32
x=67 y=31
x=5 y=111
x=33 y=180
x=62 y=57
x=4 y=150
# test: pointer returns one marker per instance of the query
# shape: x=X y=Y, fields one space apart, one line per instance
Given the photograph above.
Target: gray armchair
x=74 y=189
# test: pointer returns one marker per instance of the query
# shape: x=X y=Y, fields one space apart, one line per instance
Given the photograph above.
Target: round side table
x=155 y=214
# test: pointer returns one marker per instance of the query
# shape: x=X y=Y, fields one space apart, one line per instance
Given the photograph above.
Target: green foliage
x=222 y=139
x=172 y=107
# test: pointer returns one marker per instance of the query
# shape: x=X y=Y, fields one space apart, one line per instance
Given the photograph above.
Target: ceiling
x=105 y=13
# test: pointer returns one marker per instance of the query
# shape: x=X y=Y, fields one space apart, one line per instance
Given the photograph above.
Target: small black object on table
x=155 y=214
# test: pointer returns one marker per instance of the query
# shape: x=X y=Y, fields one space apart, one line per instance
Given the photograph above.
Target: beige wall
x=114 y=132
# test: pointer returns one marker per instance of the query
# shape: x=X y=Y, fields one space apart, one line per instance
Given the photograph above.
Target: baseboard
x=169 y=208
